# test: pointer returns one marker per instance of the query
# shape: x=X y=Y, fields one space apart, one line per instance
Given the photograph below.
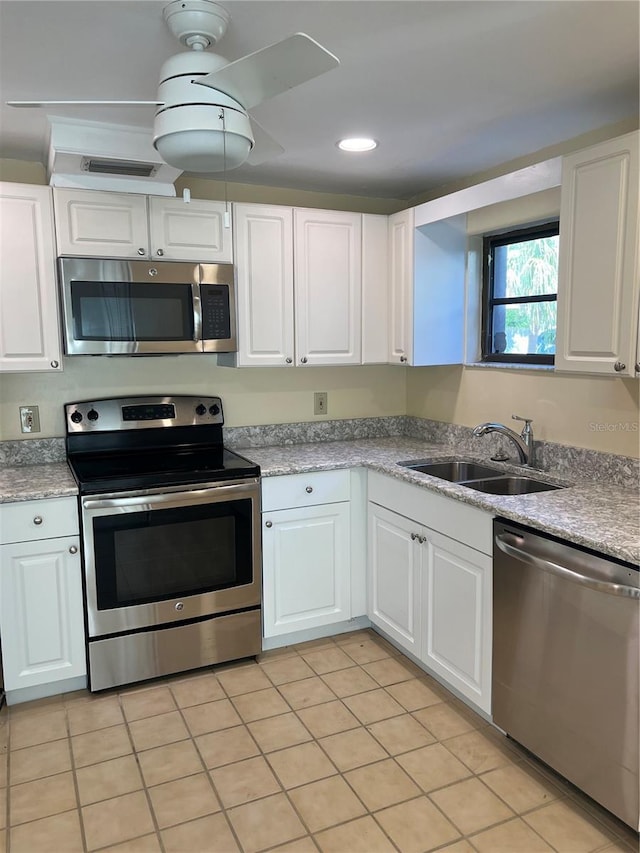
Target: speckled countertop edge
x=604 y=518
x=34 y=482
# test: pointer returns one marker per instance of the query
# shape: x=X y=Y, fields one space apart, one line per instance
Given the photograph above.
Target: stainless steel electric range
x=170 y=523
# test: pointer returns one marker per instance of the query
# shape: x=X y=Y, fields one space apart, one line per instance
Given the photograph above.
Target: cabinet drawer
x=25 y=521
x=292 y=490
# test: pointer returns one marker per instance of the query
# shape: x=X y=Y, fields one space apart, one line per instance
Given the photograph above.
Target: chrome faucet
x=523 y=442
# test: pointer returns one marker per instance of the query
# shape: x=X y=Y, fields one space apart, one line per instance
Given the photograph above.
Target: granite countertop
x=604 y=518
x=32 y=482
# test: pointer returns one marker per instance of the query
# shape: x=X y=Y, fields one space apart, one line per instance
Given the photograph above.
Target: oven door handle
x=141 y=503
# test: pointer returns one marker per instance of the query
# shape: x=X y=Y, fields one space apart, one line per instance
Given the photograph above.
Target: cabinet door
x=375 y=289
x=41 y=612
x=598 y=269
x=457 y=617
x=29 y=337
x=327 y=263
x=306 y=568
x=264 y=269
x=101 y=224
x=193 y=231
x=401 y=240
x=394 y=576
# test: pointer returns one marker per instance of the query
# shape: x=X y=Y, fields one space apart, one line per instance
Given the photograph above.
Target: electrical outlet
x=29 y=419
x=320 y=403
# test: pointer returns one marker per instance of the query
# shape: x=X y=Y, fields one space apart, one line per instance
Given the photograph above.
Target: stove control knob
x=76 y=417
x=214 y=410
x=92 y=415
x=200 y=409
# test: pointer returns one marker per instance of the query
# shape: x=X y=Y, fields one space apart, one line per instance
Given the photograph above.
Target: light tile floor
x=340 y=745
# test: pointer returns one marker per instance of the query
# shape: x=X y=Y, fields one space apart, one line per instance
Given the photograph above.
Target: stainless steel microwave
x=112 y=307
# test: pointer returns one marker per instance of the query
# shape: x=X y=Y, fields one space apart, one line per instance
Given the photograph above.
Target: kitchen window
x=520 y=292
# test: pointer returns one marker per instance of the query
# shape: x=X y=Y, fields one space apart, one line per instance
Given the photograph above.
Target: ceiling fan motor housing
x=199 y=129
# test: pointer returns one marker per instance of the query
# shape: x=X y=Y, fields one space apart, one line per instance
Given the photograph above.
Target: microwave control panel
x=216 y=312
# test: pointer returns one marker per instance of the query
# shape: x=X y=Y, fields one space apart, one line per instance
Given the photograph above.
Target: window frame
x=489 y=243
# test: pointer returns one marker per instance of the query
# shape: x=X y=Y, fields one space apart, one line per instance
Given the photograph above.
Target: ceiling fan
x=202 y=122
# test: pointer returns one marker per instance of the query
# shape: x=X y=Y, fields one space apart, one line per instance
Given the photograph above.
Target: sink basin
x=455 y=471
x=511 y=486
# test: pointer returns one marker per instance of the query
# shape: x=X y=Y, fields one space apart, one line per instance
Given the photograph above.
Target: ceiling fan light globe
x=203 y=150
x=195 y=138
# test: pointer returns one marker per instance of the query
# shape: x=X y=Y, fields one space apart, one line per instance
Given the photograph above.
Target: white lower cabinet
x=428 y=591
x=306 y=560
x=395 y=566
x=456 y=602
x=41 y=608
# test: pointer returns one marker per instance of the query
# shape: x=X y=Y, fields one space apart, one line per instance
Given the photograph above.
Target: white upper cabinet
x=327 y=264
x=400 y=238
x=299 y=286
x=101 y=224
x=427 y=268
x=375 y=289
x=598 y=272
x=264 y=268
x=189 y=231
x=29 y=337
x=121 y=225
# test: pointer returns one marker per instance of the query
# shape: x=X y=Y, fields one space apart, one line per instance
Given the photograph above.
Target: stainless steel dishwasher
x=566 y=662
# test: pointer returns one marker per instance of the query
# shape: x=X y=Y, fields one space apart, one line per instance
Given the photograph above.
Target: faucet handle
x=527 y=421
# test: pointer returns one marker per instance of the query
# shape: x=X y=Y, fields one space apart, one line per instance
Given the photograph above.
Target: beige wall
x=600 y=413
x=250 y=395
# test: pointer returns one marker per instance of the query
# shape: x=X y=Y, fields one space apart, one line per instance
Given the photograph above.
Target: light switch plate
x=320 y=403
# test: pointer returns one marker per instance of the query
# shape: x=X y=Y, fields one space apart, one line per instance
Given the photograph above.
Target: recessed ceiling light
x=357 y=143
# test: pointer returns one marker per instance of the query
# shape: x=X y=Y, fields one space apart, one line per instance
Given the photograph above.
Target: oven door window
x=123 y=311
x=149 y=556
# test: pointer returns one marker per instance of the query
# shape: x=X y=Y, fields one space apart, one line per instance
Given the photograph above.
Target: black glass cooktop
x=96 y=473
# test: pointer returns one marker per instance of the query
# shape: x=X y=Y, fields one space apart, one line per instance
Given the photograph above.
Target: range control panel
x=142 y=413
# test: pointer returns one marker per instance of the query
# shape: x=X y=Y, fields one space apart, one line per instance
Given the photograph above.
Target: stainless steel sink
x=455 y=471
x=482 y=478
x=510 y=486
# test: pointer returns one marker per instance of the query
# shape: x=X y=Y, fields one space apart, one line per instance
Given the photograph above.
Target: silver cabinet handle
x=73 y=549
x=414 y=536
x=160 y=252
x=141 y=252
x=309 y=489
x=303 y=360
x=619 y=366
x=268 y=524
x=288 y=360
x=37 y=520
x=55 y=364
x=403 y=359
x=422 y=539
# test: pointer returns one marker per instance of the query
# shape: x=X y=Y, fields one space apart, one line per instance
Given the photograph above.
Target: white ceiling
x=449 y=88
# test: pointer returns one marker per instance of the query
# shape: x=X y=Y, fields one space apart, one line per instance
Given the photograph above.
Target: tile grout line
x=83 y=834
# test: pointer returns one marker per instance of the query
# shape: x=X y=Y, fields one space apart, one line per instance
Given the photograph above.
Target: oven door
x=156 y=558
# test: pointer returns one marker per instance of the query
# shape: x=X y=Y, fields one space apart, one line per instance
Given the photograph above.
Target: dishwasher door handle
x=505 y=543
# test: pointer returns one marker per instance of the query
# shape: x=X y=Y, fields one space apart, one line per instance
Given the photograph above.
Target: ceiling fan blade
x=272 y=70
x=85 y=103
x=265 y=147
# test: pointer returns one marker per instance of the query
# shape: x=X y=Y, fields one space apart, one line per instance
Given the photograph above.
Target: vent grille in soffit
x=129 y=168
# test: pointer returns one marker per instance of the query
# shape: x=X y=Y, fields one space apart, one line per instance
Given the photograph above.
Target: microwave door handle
x=197 y=311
